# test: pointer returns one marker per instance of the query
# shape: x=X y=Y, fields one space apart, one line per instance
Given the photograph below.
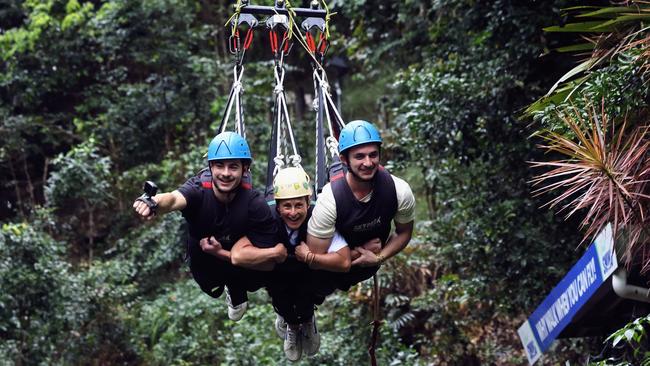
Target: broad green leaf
x=582 y=7
x=576 y=70
x=560 y=95
x=608 y=12
x=610 y=25
x=576 y=27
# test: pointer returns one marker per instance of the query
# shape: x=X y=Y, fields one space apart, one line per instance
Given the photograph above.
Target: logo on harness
x=368 y=226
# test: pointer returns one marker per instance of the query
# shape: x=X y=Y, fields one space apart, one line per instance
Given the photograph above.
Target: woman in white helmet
x=290 y=287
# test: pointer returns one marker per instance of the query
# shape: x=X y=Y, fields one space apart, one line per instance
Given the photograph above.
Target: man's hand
x=366 y=258
x=281 y=253
x=210 y=246
x=373 y=245
x=143 y=209
x=302 y=251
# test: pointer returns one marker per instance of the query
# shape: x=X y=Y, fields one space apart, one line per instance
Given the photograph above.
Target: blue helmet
x=358 y=133
x=228 y=145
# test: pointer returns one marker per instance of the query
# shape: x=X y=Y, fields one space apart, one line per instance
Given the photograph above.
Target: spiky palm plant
x=605 y=174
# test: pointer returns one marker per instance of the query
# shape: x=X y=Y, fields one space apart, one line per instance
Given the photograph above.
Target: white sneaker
x=280 y=326
x=310 y=337
x=292 y=347
x=235 y=313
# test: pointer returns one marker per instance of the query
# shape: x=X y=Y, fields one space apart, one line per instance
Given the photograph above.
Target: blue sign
x=560 y=306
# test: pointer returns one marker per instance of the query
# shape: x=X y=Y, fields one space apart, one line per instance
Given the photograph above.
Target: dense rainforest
x=98 y=96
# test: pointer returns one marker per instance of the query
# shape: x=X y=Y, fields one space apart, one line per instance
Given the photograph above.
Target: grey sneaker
x=292 y=347
x=280 y=326
x=310 y=338
x=235 y=313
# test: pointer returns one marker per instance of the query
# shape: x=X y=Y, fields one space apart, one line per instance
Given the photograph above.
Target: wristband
x=149 y=201
x=380 y=258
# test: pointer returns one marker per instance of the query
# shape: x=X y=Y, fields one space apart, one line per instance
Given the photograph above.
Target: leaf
x=576 y=27
x=617 y=340
x=610 y=25
x=609 y=12
x=588 y=46
x=562 y=94
x=584 y=66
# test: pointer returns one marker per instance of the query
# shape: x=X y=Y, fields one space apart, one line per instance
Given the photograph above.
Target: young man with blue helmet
x=220 y=209
x=360 y=205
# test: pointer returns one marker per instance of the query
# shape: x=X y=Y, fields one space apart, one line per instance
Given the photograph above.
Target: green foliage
x=80 y=175
x=629 y=345
x=185 y=326
x=618 y=88
x=471 y=149
x=38 y=295
x=597 y=123
x=151 y=253
x=96 y=97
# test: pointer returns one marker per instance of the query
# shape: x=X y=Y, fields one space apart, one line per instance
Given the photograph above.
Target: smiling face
x=226 y=174
x=293 y=211
x=362 y=161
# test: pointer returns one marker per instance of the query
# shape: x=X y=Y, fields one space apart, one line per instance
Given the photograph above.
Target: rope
x=295 y=160
x=322 y=80
x=279 y=163
x=376 y=322
x=234 y=98
x=282 y=114
x=332 y=145
x=235 y=17
x=328 y=16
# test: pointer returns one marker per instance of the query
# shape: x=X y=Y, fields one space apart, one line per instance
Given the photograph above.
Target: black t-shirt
x=246 y=215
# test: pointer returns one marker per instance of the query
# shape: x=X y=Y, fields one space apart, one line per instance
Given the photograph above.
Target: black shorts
x=212 y=273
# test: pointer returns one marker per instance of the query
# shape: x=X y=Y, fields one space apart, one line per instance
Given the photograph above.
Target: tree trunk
x=30 y=185
x=19 y=198
x=90 y=233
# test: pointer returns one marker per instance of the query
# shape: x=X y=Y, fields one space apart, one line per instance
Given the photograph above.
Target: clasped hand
x=366 y=255
x=302 y=252
x=210 y=245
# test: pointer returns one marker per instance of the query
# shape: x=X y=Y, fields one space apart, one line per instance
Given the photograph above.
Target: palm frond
x=608 y=32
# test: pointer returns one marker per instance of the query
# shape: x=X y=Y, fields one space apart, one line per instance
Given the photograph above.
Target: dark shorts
x=324 y=283
x=291 y=295
x=212 y=274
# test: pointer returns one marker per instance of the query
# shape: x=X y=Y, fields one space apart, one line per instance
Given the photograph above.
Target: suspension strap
x=318 y=29
x=279 y=156
x=327 y=116
x=239 y=22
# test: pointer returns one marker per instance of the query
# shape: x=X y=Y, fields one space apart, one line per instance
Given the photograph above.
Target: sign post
x=561 y=305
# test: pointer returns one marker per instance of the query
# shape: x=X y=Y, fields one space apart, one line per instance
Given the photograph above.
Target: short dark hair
x=346 y=153
x=244 y=162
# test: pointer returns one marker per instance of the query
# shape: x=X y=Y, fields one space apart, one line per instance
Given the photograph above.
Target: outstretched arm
x=245 y=254
x=167 y=202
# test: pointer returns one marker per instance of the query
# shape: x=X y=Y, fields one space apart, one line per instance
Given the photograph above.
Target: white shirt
x=338 y=242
